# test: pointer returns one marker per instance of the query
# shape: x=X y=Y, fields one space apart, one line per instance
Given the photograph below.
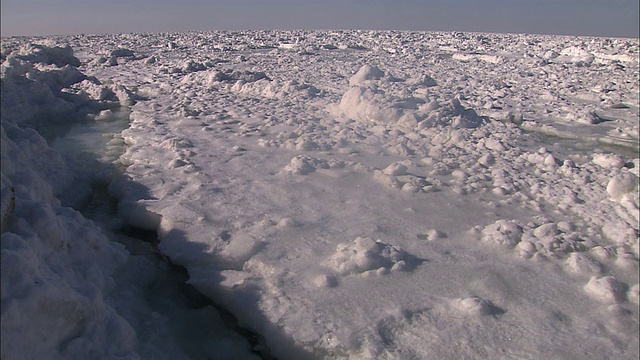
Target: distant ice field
x=344 y=194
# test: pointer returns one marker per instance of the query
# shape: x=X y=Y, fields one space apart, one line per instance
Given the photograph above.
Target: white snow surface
x=345 y=194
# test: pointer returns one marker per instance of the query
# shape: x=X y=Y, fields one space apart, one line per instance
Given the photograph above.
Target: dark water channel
x=91 y=149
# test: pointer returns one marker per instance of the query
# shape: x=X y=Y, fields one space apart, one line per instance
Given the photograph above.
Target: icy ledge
x=69 y=291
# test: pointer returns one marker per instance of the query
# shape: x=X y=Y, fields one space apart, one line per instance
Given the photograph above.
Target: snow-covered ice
x=344 y=194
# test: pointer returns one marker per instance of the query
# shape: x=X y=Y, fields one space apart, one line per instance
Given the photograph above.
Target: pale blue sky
x=573 y=17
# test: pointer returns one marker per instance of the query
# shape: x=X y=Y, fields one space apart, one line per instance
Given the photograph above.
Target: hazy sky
x=574 y=17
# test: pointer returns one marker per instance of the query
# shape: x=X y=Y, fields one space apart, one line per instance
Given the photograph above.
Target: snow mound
x=621 y=233
x=246 y=82
x=365 y=254
x=452 y=113
x=373 y=105
x=427 y=81
x=28 y=94
x=575 y=55
x=366 y=72
x=304 y=165
x=209 y=77
x=606 y=289
x=122 y=53
x=503 y=232
x=376 y=98
x=474 y=306
x=621 y=185
x=274 y=89
x=581 y=263
x=35 y=94
x=368 y=105
x=395 y=169
x=94 y=90
x=433 y=235
x=395 y=176
x=52 y=55
x=551 y=239
x=609 y=160
x=492 y=59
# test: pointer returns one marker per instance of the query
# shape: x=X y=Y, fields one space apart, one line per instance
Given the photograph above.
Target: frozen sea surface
x=346 y=194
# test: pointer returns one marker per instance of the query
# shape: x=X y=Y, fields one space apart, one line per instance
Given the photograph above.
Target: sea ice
x=483 y=162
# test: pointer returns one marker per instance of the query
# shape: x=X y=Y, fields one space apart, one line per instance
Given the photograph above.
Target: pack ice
x=345 y=194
